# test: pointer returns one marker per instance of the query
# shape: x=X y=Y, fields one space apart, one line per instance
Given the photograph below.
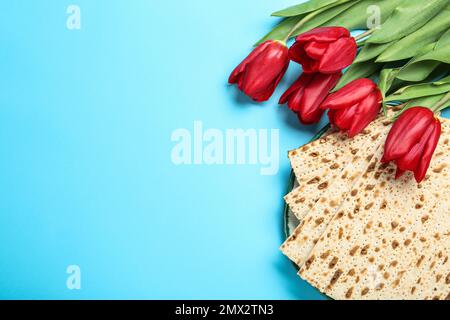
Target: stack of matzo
x=362 y=234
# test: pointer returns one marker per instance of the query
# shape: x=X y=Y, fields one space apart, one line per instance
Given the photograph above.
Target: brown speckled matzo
x=323 y=161
x=394 y=242
x=298 y=246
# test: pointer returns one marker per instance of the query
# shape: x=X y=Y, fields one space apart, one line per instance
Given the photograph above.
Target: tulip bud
x=354 y=107
x=259 y=74
x=324 y=50
x=412 y=141
x=307 y=93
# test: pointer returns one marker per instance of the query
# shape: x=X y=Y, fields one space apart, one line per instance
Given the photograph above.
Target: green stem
x=365 y=34
x=361 y=43
x=441 y=104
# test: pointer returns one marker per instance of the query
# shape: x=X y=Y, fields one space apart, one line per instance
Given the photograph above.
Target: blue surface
x=86 y=119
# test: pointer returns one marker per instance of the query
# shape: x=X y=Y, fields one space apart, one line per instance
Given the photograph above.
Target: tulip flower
x=259 y=74
x=412 y=141
x=354 y=106
x=307 y=93
x=324 y=50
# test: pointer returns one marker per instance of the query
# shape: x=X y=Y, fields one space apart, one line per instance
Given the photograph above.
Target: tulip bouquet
x=402 y=58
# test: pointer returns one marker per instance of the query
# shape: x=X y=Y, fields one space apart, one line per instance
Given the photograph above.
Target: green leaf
x=324 y=17
x=356 y=16
x=356 y=71
x=349 y=14
x=304 y=8
x=418 y=71
x=443 y=40
x=371 y=51
x=442 y=81
x=427 y=48
x=281 y=30
x=427 y=102
x=443 y=103
x=419 y=68
x=387 y=77
x=442 y=70
x=412 y=44
x=420 y=90
x=407 y=18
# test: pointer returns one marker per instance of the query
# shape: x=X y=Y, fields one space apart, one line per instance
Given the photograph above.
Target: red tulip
x=259 y=74
x=325 y=50
x=412 y=141
x=354 y=106
x=307 y=93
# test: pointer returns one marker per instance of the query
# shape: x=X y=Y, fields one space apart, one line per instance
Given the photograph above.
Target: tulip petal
x=338 y=56
x=297 y=54
x=350 y=94
x=296 y=88
x=410 y=161
x=406 y=132
x=314 y=94
x=428 y=151
x=295 y=101
x=344 y=117
x=366 y=112
x=315 y=50
x=331 y=117
x=235 y=75
x=267 y=93
x=260 y=77
x=324 y=34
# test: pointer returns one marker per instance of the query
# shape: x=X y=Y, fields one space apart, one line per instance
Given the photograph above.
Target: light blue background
x=86 y=174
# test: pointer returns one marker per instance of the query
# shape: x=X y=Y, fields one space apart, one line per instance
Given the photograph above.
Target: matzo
x=393 y=242
x=322 y=162
x=298 y=246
